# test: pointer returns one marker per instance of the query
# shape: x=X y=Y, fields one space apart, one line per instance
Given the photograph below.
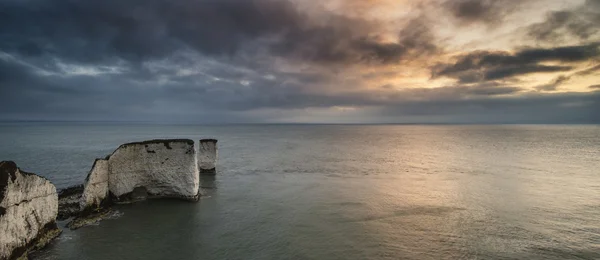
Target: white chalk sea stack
x=155 y=168
x=28 y=210
x=141 y=170
x=95 y=189
x=207 y=156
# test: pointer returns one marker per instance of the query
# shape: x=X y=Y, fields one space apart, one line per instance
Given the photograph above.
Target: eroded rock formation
x=68 y=201
x=136 y=171
x=156 y=168
x=207 y=156
x=29 y=204
x=28 y=210
x=95 y=191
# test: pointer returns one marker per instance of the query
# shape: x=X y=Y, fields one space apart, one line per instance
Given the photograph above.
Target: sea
x=340 y=191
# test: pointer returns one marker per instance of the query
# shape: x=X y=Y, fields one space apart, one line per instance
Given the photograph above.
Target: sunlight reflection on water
x=344 y=192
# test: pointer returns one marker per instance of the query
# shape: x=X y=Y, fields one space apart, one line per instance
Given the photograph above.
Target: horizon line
x=293 y=123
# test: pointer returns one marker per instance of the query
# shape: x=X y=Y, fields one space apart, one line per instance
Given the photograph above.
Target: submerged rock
x=28 y=210
x=207 y=156
x=90 y=218
x=68 y=202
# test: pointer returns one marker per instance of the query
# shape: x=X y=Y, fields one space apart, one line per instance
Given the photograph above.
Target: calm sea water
x=342 y=192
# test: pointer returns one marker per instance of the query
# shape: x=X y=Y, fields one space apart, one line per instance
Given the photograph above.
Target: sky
x=301 y=61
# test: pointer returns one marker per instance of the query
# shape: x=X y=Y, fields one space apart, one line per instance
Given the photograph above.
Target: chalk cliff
x=155 y=168
x=207 y=156
x=28 y=210
x=95 y=191
x=137 y=171
x=140 y=170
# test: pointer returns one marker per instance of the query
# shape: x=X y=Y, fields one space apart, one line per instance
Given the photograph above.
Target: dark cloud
x=554 y=84
x=100 y=31
x=486 y=65
x=11 y=73
x=515 y=70
x=347 y=40
x=589 y=71
x=539 y=108
x=580 y=23
x=488 y=89
x=120 y=98
x=594 y=87
x=481 y=11
x=134 y=30
x=240 y=60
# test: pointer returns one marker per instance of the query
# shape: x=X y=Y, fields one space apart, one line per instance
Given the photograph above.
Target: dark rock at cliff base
x=69 y=202
x=211 y=171
x=90 y=218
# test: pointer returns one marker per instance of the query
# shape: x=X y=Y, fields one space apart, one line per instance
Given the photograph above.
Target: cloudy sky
x=301 y=61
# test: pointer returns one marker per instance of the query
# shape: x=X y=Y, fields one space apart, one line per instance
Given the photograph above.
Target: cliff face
x=95 y=191
x=207 y=156
x=156 y=168
x=28 y=210
x=29 y=204
x=137 y=171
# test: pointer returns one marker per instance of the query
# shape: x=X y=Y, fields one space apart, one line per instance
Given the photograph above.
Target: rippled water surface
x=342 y=192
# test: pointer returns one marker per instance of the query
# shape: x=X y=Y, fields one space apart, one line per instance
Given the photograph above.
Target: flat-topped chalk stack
x=29 y=204
x=207 y=156
x=137 y=171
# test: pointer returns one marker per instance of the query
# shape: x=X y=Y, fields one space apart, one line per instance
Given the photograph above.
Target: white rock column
x=207 y=156
x=155 y=169
x=28 y=209
x=95 y=190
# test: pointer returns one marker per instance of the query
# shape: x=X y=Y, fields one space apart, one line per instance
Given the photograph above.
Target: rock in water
x=28 y=210
x=207 y=156
x=94 y=202
x=68 y=202
x=91 y=217
x=95 y=191
x=137 y=171
x=156 y=168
